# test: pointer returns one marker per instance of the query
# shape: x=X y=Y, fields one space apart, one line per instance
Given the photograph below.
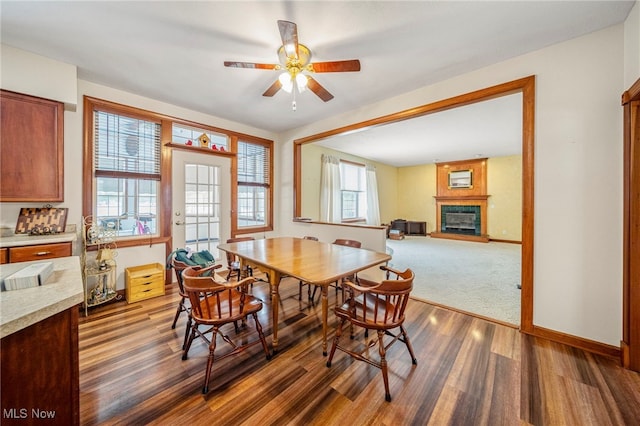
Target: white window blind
x=126 y=173
x=253 y=184
x=354 y=190
x=126 y=146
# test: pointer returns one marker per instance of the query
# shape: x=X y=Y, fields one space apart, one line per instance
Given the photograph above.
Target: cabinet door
x=39 y=370
x=31 y=149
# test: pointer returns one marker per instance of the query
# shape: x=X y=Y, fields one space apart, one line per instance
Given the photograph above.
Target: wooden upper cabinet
x=31 y=149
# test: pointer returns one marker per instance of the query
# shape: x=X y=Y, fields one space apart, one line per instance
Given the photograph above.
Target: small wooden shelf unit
x=144 y=282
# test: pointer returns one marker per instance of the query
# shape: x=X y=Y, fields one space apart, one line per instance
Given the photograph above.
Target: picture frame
x=461 y=179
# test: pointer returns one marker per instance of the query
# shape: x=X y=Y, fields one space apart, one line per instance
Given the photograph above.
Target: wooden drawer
x=4 y=256
x=39 y=252
x=143 y=282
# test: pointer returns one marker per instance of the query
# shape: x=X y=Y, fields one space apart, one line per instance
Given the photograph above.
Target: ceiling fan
x=295 y=60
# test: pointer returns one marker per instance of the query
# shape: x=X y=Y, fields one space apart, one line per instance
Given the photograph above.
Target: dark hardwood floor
x=469 y=372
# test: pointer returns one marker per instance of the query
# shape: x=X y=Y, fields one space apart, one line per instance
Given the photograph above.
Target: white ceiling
x=490 y=128
x=174 y=51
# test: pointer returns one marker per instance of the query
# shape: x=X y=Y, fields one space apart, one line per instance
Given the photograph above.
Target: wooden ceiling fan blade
x=273 y=89
x=253 y=65
x=289 y=35
x=317 y=88
x=336 y=66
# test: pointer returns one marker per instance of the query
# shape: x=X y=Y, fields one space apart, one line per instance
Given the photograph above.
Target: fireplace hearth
x=461 y=219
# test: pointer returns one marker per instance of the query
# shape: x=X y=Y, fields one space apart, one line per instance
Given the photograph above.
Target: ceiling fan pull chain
x=293 y=103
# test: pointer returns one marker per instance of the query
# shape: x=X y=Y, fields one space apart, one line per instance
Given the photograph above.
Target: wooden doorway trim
x=630 y=344
x=525 y=86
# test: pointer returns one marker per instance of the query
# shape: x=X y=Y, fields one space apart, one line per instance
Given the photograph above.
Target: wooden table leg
x=325 y=317
x=274 y=278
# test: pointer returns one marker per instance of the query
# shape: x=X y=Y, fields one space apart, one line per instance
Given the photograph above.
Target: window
x=126 y=173
x=254 y=186
x=354 y=191
x=126 y=180
x=182 y=134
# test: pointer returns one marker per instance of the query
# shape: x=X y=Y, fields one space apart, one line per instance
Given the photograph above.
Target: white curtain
x=330 y=195
x=373 y=206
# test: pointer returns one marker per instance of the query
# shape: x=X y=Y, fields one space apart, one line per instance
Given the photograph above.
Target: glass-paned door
x=201 y=201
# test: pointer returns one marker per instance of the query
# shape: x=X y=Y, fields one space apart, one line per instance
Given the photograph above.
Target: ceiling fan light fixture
x=295 y=59
x=301 y=82
x=287 y=83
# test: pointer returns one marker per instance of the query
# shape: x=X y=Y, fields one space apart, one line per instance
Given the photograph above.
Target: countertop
x=21 y=308
x=15 y=240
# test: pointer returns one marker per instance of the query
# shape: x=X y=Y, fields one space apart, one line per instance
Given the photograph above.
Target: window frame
x=89 y=190
x=268 y=226
x=359 y=208
x=165 y=199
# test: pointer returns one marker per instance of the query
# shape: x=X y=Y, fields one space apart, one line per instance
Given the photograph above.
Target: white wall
x=632 y=46
x=24 y=72
x=578 y=177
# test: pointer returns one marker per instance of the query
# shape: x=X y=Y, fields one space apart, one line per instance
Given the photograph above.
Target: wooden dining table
x=314 y=262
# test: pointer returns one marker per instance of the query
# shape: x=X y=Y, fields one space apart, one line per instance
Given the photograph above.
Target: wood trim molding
x=630 y=344
x=475 y=195
x=632 y=93
x=351 y=225
x=525 y=86
x=577 y=342
x=199 y=150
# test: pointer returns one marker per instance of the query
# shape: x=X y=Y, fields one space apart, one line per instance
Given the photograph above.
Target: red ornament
x=222 y=148
x=214 y=147
x=189 y=142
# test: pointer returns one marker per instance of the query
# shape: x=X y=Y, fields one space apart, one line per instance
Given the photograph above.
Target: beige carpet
x=481 y=278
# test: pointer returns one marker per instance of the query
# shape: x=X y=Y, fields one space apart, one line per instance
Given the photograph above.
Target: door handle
x=177 y=222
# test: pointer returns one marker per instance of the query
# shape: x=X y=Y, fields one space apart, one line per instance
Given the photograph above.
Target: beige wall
x=416 y=189
x=408 y=192
x=504 y=185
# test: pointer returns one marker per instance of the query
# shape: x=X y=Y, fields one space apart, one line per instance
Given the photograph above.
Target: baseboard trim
x=496 y=240
x=555 y=336
x=471 y=314
x=460 y=237
x=578 y=342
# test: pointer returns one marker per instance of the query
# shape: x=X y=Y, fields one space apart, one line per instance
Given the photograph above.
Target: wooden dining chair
x=380 y=307
x=338 y=285
x=183 y=303
x=215 y=304
x=350 y=243
x=302 y=284
x=233 y=263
